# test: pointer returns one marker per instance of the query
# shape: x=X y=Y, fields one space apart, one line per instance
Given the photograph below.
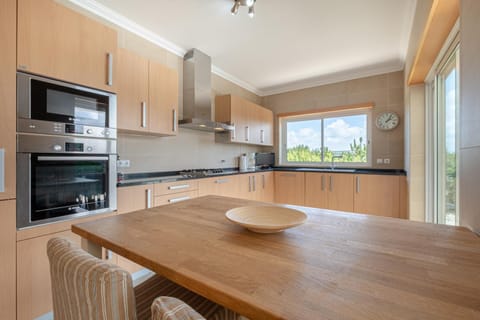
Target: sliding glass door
x=446 y=136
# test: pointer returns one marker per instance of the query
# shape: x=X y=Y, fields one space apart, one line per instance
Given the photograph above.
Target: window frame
x=319 y=115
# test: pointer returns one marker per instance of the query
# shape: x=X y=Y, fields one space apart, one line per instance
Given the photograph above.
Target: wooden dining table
x=337 y=265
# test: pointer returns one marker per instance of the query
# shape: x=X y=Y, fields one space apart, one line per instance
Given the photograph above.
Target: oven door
x=44 y=99
x=64 y=186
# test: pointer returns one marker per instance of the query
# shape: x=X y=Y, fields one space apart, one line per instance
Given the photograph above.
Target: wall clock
x=387 y=120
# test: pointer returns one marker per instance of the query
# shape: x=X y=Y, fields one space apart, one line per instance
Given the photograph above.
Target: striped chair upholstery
x=84 y=287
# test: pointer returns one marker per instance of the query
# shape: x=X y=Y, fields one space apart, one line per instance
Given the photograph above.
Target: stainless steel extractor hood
x=197 y=91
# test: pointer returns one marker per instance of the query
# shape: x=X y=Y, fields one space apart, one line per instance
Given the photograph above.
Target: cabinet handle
x=221 y=181
x=2 y=170
x=323 y=182
x=262 y=136
x=233 y=132
x=357 y=184
x=144 y=114
x=254 y=183
x=181 y=186
x=247 y=133
x=110 y=69
x=149 y=198
x=263 y=181
x=249 y=183
x=331 y=183
x=178 y=199
x=174 y=126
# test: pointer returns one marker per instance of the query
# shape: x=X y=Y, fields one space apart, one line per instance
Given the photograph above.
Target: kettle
x=243 y=163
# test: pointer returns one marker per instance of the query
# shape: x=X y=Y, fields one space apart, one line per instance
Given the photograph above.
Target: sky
x=339 y=132
x=450 y=107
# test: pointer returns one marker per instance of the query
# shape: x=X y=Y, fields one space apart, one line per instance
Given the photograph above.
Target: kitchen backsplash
x=188 y=150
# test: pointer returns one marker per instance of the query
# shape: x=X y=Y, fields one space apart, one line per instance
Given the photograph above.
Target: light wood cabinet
x=378 y=195
x=163 y=98
x=132 y=96
x=134 y=198
x=257 y=186
x=175 y=187
x=33 y=275
x=7 y=98
x=289 y=187
x=227 y=186
x=253 y=123
x=7 y=257
x=175 y=197
x=332 y=191
x=58 y=42
x=316 y=190
x=147 y=97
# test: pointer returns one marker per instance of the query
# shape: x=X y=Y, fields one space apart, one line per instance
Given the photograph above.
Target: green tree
x=303 y=153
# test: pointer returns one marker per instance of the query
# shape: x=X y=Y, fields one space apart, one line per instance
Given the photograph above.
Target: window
x=322 y=139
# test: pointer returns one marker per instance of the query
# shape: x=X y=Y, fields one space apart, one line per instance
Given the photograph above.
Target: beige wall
x=385 y=90
x=415 y=119
x=469 y=114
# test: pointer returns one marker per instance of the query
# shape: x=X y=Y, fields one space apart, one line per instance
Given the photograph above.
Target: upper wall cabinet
x=253 y=123
x=60 y=43
x=147 y=98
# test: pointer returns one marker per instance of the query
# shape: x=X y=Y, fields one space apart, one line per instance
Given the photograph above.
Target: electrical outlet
x=379 y=161
x=123 y=163
x=386 y=160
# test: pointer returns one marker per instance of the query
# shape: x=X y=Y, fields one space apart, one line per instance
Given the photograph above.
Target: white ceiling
x=288 y=45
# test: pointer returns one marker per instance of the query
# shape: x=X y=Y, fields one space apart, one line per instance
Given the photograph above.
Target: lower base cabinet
x=380 y=195
x=290 y=187
x=33 y=275
x=7 y=258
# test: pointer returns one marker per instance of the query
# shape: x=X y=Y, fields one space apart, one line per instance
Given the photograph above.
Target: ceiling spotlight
x=235 y=7
x=246 y=3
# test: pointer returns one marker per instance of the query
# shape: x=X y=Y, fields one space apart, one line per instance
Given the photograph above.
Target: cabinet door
x=266 y=127
x=264 y=185
x=60 y=43
x=378 y=195
x=163 y=99
x=290 y=187
x=33 y=276
x=7 y=256
x=239 y=120
x=254 y=119
x=316 y=193
x=7 y=99
x=132 y=95
x=340 y=192
x=134 y=198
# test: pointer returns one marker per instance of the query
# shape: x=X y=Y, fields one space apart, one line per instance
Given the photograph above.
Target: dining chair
x=85 y=287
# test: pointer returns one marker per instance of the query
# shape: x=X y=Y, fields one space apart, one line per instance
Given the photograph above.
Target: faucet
x=333 y=160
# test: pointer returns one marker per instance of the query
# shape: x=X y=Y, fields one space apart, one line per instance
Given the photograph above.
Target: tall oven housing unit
x=66 y=151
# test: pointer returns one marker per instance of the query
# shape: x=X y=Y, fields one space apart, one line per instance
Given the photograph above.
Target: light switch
x=2 y=170
x=379 y=161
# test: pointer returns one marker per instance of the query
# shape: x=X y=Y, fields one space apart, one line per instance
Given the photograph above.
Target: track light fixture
x=247 y=3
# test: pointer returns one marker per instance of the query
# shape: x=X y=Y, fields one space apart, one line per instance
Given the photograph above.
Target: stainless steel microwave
x=49 y=106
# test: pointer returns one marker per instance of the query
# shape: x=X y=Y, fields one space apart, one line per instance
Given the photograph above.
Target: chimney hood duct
x=197 y=94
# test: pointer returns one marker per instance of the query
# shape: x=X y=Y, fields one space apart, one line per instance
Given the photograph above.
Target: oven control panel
x=64 y=129
x=58 y=144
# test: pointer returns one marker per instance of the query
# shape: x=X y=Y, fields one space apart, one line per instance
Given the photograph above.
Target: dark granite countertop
x=134 y=179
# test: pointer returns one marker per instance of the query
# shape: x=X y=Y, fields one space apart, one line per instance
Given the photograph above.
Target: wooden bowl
x=266 y=219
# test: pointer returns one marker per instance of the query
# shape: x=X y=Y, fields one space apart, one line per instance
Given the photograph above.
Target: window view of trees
x=319 y=139
x=303 y=153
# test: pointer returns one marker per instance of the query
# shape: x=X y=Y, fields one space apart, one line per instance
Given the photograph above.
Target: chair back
x=84 y=287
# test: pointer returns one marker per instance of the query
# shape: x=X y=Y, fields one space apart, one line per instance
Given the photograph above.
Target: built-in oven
x=61 y=178
x=47 y=106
